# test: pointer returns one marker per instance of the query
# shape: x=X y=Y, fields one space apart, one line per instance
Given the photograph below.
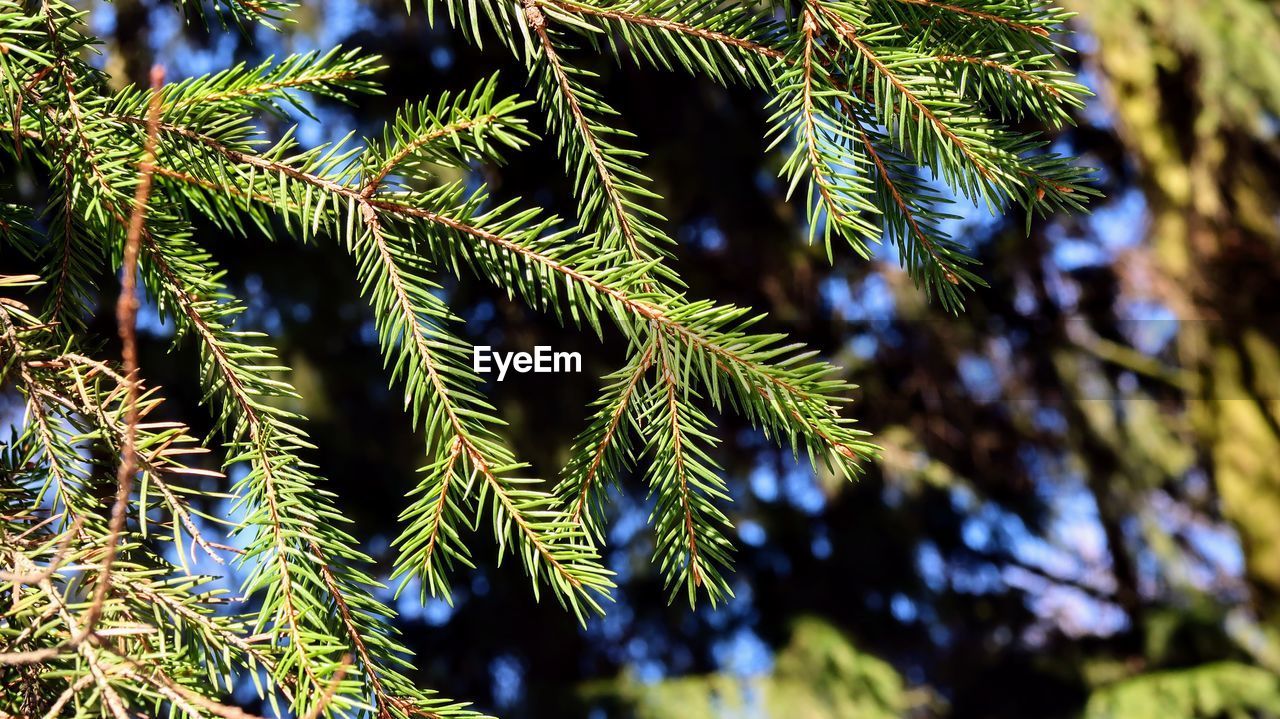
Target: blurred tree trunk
x=129 y=59
x=1190 y=83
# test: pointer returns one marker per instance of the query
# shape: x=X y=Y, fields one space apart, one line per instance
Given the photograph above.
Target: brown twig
x=331 y=690
x=615 y=422
x=678 y=455
x=126 y=319
x=537 y=21
x=35 y=656
x=661 y=23
x=979 y=15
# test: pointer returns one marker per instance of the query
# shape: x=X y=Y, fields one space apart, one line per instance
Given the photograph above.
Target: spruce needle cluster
x=881 y=112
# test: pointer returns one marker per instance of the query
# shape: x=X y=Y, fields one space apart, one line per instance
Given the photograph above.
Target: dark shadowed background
x=1078 y=507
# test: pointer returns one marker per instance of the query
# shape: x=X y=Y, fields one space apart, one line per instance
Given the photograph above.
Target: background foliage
x=1076 y=511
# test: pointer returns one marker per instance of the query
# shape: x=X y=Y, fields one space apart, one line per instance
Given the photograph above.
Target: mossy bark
x=1189 y=83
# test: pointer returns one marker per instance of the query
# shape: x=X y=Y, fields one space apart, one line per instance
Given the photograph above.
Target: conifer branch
x=868 y=98
x=603 y=450
x=261 y=445
x=79 y=252
x=265 y=442
x=980 y=15
x=628 y=16
x=691 y=548
x=837 y=187
x=610 y=189
x=809 y=403
x=267 y=87
x=889 y=83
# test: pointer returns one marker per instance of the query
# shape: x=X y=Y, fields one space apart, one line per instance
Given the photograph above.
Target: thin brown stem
x=617 y=204
x=126 y=319
x=375 y=180
x=678 y=458
x=664 y=24
x=615 y=422
x=850 y=35
x=980 y=15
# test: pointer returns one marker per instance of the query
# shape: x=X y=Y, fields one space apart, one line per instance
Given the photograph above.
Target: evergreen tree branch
x=800 y=391
x=933 y=259
x=691 y=549
x=157 y=449
x=456 y=412
x=264 y=438
x=867 y=97
x=823 y=154
x=1026 y=27
x=610 y=189
x=603 y=450
x=268 y=13
x=827 y=437
x=745 y=36
x=887 y=84
x=269 y=86
x=79 y=252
